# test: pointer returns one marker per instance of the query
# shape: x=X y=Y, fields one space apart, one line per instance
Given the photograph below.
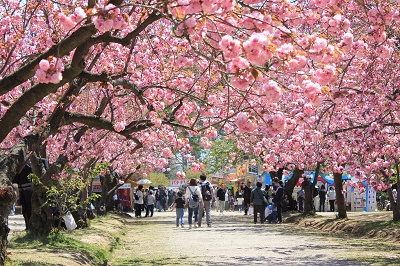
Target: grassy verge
x=89 y=246
x=369 y=227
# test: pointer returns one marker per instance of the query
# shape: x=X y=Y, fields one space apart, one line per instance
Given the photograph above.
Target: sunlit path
x=233 y=239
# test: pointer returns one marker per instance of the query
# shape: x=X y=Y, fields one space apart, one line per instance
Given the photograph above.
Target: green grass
x=57 y=240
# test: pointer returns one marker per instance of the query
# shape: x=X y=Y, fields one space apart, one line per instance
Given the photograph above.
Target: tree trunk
x=396 y=211
x=10 y=165
x=277 y=174
x=7 y=198
x=106 y=185
x=41 y=219
x=82 y=214
x=341 y=204
x=396 y=207
x=308 y=200
x=291 y=183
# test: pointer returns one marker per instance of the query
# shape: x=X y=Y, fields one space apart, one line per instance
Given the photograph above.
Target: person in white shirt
x=151 y=200
x=195 y=190
x=139 y=202
x=240 y=203
x=332 y=198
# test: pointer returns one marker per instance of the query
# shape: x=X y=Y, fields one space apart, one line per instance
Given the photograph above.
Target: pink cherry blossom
x=319 y=44
x=230 y=47
x=120 y=126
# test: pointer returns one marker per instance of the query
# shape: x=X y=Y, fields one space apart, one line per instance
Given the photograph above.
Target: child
x=240 y=202
x=232 y=204
x=271 y=213
x=180 y=211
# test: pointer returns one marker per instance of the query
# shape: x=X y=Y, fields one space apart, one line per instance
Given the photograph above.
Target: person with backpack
x=258 y=200
x=207 y=194
x=194 y=199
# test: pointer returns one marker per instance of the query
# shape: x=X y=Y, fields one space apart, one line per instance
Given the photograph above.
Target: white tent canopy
x=143 y=182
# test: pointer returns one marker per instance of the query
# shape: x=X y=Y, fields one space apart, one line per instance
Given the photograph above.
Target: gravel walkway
x=233 y=239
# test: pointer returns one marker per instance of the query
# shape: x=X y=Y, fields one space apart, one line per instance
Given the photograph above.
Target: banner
x=176 y=183
x=126 y=185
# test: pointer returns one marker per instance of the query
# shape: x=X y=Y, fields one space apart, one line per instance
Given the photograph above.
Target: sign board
x=125 y=185
x=96 y=185
x=176 y=183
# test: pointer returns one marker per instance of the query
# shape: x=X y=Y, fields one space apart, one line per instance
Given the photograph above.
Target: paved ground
x=16 y=223
x=233 y=239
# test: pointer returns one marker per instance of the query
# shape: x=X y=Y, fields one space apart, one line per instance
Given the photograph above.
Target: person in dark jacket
x=278 y=197
x=25 y=189
x=246 y=196
x=322 y=198
x=221 y=198
x=257 y=199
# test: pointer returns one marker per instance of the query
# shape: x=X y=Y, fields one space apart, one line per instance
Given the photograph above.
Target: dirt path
x=235 y=240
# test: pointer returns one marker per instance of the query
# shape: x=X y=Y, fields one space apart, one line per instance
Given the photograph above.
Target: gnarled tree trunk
x=340 y=202
x=291 y=183
x=10 y=165
x=107 y=183
x=308 y=199
x=41 y=219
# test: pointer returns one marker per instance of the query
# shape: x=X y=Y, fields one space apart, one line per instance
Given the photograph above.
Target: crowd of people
x=199 y=197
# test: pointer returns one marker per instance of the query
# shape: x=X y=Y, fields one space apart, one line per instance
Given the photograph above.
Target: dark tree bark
x=107 y=183
x=308 y=205
x=291 y=183
x=341 y=204
x=277 y=174
x=10 y=165
x=396 y=209
x=41 y=219
x=309 y=191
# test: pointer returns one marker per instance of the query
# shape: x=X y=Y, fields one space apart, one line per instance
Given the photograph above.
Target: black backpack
x=193 y=199
x=206 y=192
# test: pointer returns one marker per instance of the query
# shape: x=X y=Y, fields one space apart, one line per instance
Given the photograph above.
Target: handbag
x=265 y=201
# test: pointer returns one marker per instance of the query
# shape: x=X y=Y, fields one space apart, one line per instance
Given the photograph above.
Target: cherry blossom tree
x=98 y=80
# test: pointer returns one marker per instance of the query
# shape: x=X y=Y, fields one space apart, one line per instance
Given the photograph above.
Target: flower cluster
x=180 y=175
x=120 y=126
x=70 y=22
x=245 y=123
x=49 y=71
x=109 y=17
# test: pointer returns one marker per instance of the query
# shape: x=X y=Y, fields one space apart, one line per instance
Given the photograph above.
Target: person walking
x=278 y=197
x=139 y=202
x=116 y=200
x=151 y=200
x=246 y=196
x=193 y=195
x=300 y=199
x=240 y=202
x=207 y=193
x=221 y=199
x=332 y=199
x=322 y=198
x=179 y=205
x=257 y=200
